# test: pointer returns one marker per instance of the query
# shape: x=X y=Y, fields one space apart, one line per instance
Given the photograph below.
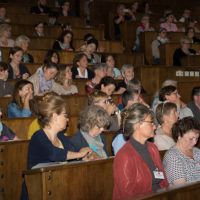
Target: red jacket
x=132 y=176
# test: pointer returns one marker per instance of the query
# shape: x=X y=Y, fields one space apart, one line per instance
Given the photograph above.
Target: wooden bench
x=47 y=43
x=192 y=60
x=167 y=52
x=54 y=32
x=67 y=57
x=13 y=160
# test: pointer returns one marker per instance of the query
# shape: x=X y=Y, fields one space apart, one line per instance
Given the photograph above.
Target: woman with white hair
x=23 y=42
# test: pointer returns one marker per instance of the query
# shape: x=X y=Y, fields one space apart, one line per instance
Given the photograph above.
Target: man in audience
x=170 y=93
x=194 y=105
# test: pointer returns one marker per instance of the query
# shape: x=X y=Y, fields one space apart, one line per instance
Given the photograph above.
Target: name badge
x=158 y=175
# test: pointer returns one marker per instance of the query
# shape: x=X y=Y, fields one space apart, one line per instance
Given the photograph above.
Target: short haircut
x=48 y=65
x=77 y=58
x=166 y=91
x=164 y=109
x=93 y=41
x=107 y=80
x=184 y=125
x=49 y=104
x=96 y=96
x=99 y=66
x=93 y=116
x=125 y=67
x=134 y=84
x=132 y=115
x=21 y=39
x=127 y=96
x=195 y=91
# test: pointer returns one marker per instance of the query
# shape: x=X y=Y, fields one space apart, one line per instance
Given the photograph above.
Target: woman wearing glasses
x=166 y=114
x=137 y=166
x=181 y=162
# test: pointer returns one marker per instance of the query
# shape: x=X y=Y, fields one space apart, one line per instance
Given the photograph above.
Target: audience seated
x=5 y=36
x=6 y=134
x=161 y=39
x=64 y=78
x=185 y=16
x=145 y=8
x=194 y=105
x=92 y=121
x=169 y=24
x=91 y=47
x=66 y=9
x=127 y=72
x=87 y=37
x=122 y=15
x=181 y=162
x=183 y=51
x=99 y=73
x=39 y=30
x=143 y=27
x=3 y=18
x=170 y=93
x=166 y=115
x=43 y=79
x=128 y=99
x=101 y=99
x=134 y=8
x=137 y=158
x=190 y=33
x=23 y=42
x=40 y=8
x=53 y=56
x=106 y=85
x=6 y=88
x=64 y=42
x=112 y=70
x=16 y=69
x=80 y=67
x=21 y=103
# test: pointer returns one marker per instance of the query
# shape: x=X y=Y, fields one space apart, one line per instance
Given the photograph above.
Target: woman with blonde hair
x=5 y=36
x=64 y=78
x=23 y=42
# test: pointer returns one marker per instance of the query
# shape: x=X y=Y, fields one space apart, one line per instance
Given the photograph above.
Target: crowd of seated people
x=140 y=131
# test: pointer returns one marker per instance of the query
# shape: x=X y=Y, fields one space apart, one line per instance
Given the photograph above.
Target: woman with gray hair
x=23 y=42
x=92 y=121
x=127 y=72
x=137 y=166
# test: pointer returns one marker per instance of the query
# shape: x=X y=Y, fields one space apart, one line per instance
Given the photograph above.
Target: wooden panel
x=13 y=160
x=54 y=32
x=61 y=181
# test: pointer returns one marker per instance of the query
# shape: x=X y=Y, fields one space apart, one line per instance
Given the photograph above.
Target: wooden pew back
x=13 y=160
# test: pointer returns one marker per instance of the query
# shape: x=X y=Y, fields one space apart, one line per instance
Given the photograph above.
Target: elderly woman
x=183 y=51
x=137 y=166
x=92 y=121
x=64 y=78
x=22 y=95
x=166 y=114
x=23 y=42
x=5 y=34
x=181 y=162
x=43 y=80
x=127 y=72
